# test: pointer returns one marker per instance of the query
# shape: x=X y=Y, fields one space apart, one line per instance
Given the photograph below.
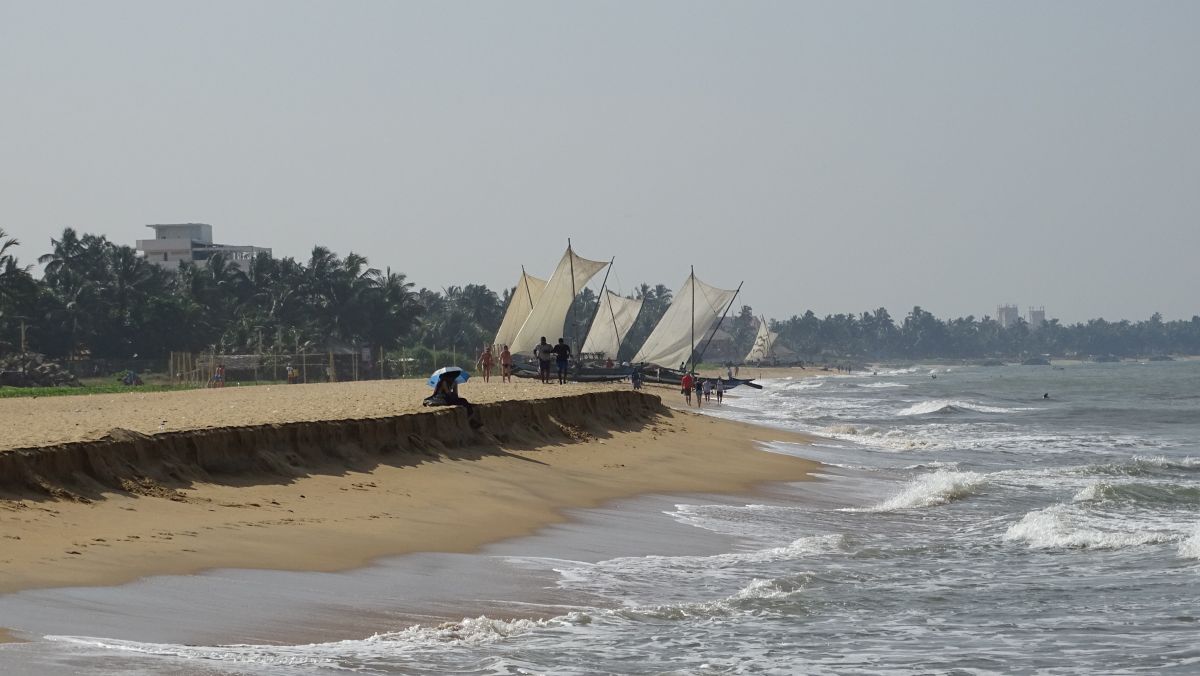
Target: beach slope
x=313 y=494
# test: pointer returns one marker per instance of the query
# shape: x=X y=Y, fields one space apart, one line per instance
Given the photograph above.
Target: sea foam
x=944 y=406
x=1060 y=526
x=930 y=490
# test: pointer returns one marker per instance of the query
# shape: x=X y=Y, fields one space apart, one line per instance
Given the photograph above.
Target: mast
x=616 y=332
x=767 y=342
x=528 y=293
x=718 y=326
x=571 y=307
x=600 y=301
x=692 y=354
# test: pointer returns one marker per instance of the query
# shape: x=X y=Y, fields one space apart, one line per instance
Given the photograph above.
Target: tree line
x=876 y=336
x=99 y=299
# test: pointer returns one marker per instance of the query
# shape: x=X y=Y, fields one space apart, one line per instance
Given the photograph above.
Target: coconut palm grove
x=99 y=300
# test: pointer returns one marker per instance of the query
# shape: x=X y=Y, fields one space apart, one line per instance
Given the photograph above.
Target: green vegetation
x=115 y=388
x=102 y=301
x=920 y=335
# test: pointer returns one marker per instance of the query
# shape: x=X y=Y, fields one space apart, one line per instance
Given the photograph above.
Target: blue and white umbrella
x=437 y=375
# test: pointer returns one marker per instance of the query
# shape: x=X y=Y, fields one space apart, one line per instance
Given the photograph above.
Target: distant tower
x=1007 y=315
x=1037 y=317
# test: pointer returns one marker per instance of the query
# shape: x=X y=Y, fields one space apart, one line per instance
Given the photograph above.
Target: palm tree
x=10 y=270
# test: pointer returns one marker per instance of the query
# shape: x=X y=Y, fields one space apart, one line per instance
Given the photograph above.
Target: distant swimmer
x=933 y=376
x=1046 y=395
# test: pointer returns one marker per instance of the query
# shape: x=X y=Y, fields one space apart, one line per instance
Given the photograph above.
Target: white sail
x=529 y=289
x=613 y=320
x=670 y=343
x=763 y=342
x=549 y=315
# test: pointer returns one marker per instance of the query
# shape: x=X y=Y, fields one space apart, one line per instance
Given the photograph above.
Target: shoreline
x=353 y=499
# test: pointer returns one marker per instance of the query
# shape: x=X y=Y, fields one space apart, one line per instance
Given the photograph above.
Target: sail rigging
x=528 y=291
x=695 y=310
x=549 y=315
x=614 y=318
x=764 y=344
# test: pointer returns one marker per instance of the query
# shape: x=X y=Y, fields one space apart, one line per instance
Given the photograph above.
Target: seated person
x=445 y=393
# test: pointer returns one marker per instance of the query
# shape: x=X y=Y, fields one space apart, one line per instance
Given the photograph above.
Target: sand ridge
x=333 y=494
x=26 y=422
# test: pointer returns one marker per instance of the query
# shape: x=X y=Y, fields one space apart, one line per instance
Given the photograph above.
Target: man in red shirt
x=686 y=385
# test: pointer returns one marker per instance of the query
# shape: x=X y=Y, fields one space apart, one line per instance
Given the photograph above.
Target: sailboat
x=548 y=312
x=615 y=316
x=766 y=348
x=696 y=312
x=543 y=311
x=526 y=293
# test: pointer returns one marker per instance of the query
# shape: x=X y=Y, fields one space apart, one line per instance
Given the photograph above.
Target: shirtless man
x=485 y=362
x=505 y=365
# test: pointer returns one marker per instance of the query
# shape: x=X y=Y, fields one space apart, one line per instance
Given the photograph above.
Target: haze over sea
x=963 y=523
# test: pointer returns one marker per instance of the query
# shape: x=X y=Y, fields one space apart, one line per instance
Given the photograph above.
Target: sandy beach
x=349 y=508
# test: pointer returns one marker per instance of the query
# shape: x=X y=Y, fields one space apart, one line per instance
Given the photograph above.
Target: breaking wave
x=1060 y=526
x=469 y=631
x=1190 y=548
x=1142 y=465
x=946 y=406
x=1140 y=493
x=930 y=490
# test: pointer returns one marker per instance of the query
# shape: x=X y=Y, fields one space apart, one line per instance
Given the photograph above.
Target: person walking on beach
x=686 y=385
x=720 y=388
x=218 y=377
x=543 y=353
x=505 y=365
x=562 y=354
x=708 y=388
x=699 y=392
x=485 y=363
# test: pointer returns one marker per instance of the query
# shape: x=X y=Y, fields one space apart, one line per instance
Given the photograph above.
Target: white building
x=1007 y=315
x=1037 y=317
x=191 y=242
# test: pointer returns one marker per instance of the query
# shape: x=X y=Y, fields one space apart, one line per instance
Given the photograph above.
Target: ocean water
x=962 y=524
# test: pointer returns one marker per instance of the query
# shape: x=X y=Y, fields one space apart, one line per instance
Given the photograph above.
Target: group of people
x=487 y=360
x=560 y=354
x=703 y=387
x=544 y=352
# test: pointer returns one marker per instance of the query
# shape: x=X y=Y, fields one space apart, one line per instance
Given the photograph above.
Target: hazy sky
x=836 y=156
